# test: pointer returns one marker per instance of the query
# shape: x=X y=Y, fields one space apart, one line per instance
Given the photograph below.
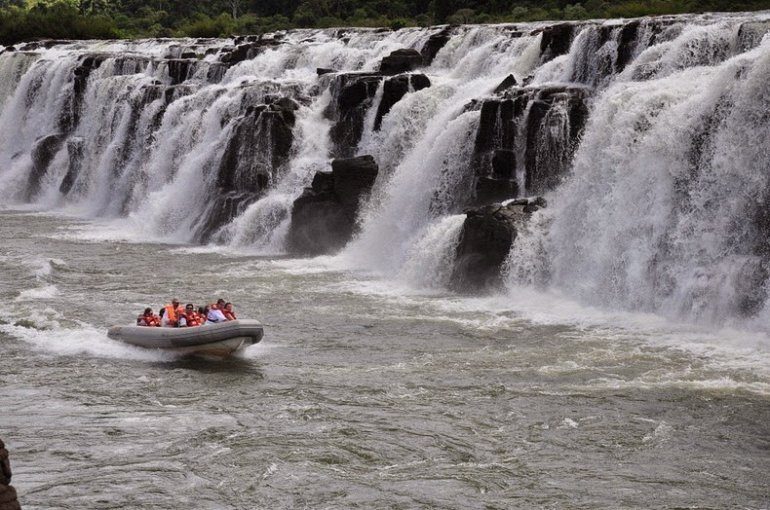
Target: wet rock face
x=260 y=144
x=8 y=498
x=507 y=83
x=434 y=44
x=324 y=216
x=556 y=41
x=354 y=95
x=750 y=34
x=246 y=48
x=529 y=130
x=401 y=61
x=180 y=69
x=395 y=89
x=43 y=152
x=485 y=242
x=626 y=45
x=75 y=148
x=70 y=116
x=257 y=149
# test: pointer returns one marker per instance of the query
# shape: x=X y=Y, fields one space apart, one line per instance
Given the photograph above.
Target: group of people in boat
x=175 y=315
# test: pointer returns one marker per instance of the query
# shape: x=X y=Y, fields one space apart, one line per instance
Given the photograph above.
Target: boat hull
x=221 y=339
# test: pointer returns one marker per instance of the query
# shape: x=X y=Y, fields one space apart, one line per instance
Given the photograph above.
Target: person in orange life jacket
x=215 y=312
x=171 y=314
x=190 y=317
x=148 y=319
x=228 y=312
x=202 y=313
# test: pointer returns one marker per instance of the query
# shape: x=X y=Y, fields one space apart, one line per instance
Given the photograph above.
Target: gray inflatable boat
x=220 y=339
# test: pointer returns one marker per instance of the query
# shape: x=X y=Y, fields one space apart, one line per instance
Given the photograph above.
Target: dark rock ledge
x=324 y=217
x=8 y=500
x=485 y=241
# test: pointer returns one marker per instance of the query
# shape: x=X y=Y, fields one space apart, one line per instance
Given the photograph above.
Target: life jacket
x=193 y=319
x=171 y=315
x=148 y=320
x=229 y=315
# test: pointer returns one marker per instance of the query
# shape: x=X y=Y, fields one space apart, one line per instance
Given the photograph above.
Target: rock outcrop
x=258 y=147
x=87 y=65
x=8 y=498
x=43 y=152
x=354 y=95
x=507 y=83
x=246 y=48
x=75 y=151
x=551 y=119
x=395 y=89
x=555 y=41
x=401 y=61
x=324 y=216
x=434 y=44
x=485 y=241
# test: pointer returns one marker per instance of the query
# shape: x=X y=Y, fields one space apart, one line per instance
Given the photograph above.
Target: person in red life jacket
x=148 y=319
x=228 y=312
x=171 y=314
x=191 y=317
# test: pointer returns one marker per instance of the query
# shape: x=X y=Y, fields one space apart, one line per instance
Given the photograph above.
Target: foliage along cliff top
x=22 y=20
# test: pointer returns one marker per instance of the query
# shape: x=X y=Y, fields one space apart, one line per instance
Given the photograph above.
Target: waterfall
x=666 y=206
x=647 y=137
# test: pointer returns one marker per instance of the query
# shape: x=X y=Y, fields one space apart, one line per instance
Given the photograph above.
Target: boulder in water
x=324 y=216
x=485 y=242
x=401 y=61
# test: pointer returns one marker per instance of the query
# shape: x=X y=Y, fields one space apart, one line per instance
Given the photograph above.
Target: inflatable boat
x=220 y=339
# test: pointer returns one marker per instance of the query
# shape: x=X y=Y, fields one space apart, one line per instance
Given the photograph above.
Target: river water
x=363 y=393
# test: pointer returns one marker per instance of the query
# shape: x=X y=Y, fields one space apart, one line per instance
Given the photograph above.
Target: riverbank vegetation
x=22 y=20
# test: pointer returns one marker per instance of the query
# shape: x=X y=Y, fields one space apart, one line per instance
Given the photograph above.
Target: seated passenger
x=215 y=312
x=202 y=313
x=171 y=314
x=148 y=319
x=228 y=312
x=181 y=320
x=191 y=317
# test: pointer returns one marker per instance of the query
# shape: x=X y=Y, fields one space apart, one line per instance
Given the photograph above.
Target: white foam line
x=87 y=340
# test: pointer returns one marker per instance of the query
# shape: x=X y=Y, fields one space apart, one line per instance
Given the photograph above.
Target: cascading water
x=666 y=206
x=647 y=136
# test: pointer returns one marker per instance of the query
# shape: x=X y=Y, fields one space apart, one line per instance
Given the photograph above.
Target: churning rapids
x=622 y=360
